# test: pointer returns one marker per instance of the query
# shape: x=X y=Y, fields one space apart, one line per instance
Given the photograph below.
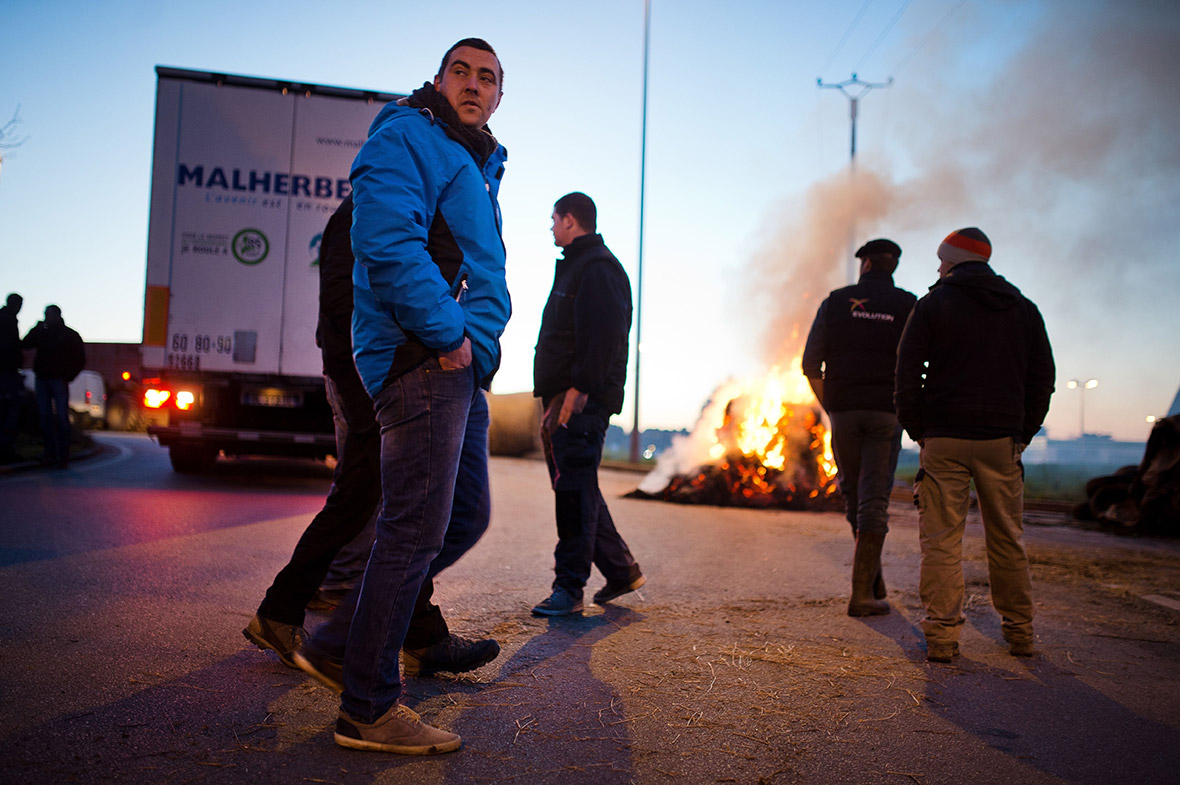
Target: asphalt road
x=126 y=587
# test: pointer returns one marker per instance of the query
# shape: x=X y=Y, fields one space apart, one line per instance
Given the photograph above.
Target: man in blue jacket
x=974 y=376
x=849 y=360
x=578 y=373
x=430 y=302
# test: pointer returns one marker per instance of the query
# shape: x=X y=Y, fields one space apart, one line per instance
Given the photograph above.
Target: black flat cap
x=879 y=246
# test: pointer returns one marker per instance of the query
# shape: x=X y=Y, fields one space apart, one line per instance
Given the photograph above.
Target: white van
x=88 y=398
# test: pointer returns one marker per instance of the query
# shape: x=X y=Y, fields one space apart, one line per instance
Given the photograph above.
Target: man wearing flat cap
x=849 y=360
x=974 y=376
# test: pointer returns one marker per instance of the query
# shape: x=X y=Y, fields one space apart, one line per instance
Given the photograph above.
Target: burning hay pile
x=759 y=444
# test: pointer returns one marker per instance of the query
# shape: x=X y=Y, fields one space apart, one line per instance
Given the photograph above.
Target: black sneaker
x=452 y=655
x=282 y=639
x=320 y=667
x=559 y=603
x=615 y=589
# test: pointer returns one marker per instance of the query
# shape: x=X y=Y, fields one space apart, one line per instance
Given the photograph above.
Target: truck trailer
x=246 y=173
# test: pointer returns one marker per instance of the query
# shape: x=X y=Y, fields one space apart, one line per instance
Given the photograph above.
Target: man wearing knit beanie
x=849 y=360
x=974 y=377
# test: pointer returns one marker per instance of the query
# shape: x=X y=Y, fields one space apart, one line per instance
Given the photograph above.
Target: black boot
x=866 y=569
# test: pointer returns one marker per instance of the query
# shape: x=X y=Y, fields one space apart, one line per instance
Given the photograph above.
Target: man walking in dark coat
x=60 y=358
x=578 y=373
x=849 y=360
x=974 y=376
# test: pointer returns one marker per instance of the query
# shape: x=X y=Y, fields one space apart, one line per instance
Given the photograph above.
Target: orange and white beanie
x=965 y=245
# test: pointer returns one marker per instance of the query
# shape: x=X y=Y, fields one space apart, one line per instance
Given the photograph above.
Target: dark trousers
x=586 y=533
x=12 y=391
x=53 y=402
x=352 y=501
x=866 y=445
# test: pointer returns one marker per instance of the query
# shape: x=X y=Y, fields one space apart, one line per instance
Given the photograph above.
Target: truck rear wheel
x=187 y=459
x=123 y=415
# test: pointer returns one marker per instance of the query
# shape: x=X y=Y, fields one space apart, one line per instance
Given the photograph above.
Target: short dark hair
x=581 y=207
x=14 y=300
x=53 y=308
x=474 y=43
x=882 y=262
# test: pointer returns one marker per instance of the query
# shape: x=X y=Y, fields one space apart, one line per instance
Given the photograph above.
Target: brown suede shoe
x=399 y=730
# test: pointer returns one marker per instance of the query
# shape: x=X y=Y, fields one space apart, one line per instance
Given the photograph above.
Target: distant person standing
x=849 y=360
x=578 y=373
x=60 y=357
x=11 y=385
x=974 y=377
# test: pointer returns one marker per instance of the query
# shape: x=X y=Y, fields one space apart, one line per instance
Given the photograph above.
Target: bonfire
x=758 y=443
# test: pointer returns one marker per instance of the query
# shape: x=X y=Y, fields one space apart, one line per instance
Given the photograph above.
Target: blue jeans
x=866 y=445
x=53 y=402
x=433 y=430
x=586 y=533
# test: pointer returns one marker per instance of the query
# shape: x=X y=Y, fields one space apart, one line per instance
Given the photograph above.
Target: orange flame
x=763 y=441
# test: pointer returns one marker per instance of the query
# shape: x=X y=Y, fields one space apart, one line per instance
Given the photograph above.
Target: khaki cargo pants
x=950 y=465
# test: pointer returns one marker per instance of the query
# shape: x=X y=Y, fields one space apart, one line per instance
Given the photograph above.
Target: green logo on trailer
x=250 y=246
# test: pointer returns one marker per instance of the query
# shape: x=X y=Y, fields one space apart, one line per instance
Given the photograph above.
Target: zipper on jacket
x=461 y=289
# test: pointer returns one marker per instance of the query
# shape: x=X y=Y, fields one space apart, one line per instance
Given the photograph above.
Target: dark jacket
x=974 y=361
x=11 y=358
x=584 y=328
x=333 y=332
x=854 y=337
x=60 y=352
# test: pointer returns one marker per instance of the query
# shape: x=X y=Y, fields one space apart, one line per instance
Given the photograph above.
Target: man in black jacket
x=60 y=357
x=849 y=360
x=578 y=373
x=974 y=376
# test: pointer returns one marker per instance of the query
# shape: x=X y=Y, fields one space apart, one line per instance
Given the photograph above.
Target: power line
x=881 y=37
x=847 y=34
x=933 y=32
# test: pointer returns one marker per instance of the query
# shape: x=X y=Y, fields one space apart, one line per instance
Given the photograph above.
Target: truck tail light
x=154 y=399
x=157 y=397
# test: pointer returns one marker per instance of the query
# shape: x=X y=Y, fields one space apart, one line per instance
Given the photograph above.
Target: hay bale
x=516 y=424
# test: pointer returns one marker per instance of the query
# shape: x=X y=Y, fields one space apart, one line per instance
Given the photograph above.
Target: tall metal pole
x=639 y=273
x=854 y=100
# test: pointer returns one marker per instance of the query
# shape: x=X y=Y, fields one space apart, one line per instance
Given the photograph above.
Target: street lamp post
x=1081 y=387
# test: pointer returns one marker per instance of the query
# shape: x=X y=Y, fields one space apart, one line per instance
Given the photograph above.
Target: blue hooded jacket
x=430 y=261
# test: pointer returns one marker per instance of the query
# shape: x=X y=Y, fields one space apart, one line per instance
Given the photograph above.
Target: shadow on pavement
x=1037 y=713
x=547 y=717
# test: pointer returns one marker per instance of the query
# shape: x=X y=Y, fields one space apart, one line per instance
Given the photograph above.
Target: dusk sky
x=1050 y=125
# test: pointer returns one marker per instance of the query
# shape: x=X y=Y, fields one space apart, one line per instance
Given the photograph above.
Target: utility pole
x=639 y=273
x=861 y=88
